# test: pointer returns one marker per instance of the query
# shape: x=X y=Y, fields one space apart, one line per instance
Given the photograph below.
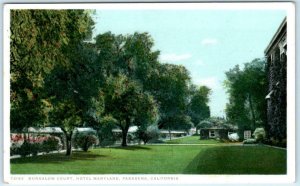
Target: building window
x=212 y=133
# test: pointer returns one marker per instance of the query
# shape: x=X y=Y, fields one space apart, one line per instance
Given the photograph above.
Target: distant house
x=87 y=130
x=45 y=130
x=131 y=133
x=35 y=131
x=131 y=130
x=216 y=131
x=163 y=134
x=174 y=133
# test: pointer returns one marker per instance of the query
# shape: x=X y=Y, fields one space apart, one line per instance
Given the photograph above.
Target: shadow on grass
x=57 y=158
x=238 y=160
x=132 y=148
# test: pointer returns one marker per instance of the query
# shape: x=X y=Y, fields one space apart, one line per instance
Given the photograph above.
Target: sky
x=207 y=42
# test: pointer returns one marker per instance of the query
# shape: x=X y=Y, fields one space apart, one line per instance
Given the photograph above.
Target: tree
x=132 y=55
x=170 y=87
x=198 y=107
x=72 y=92
x=38 y=39
x=247 y=89
x=126 y=102
x=126 y=62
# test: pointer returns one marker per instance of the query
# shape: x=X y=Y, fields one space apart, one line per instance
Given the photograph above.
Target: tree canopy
x=43 y=43
x=198 y=106
x=59 y=79
x=247 y=89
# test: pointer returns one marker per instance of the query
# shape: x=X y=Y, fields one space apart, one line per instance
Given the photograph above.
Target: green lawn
x=163 y=159
x=192 y=140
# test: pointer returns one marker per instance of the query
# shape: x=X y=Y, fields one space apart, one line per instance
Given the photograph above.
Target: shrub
x=34 y=145
x=150 y=133
x=130 y=138
x=51 y=144
x=85 y=141
x=24 y=150
x=14 y=148
x=259 y=134
x=28 y=148
x=35 y=148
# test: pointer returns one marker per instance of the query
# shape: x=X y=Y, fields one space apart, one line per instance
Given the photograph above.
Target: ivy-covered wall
x=276 y=54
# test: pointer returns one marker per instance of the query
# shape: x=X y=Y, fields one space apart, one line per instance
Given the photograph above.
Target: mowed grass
x=161 y=159
x=192 y=140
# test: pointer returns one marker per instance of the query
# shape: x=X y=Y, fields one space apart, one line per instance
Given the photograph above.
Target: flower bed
x=33 y=145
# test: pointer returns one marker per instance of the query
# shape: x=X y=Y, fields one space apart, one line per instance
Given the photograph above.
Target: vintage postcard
x=140 y=93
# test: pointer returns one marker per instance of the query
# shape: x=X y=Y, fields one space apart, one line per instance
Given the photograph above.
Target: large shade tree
x=170 y=87
x=41 y=41
x=247 y=89
x=198 y=108
x=126 y=64
x=126 y=102
x=74 y=93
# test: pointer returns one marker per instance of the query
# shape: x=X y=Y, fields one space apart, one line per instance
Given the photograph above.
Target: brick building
x=276 y=56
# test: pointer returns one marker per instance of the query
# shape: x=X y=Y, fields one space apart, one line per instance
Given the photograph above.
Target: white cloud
x=172 y=57
x=209 y=41
x=211 y=82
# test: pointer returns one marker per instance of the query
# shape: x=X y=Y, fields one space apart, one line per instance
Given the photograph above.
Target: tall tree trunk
x=252 y=111
x=124 y=132
x=68 y=142
x=69 y=147
x=124 y=138
x=169 y=132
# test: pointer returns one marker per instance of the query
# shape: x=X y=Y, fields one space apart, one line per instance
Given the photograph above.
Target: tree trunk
x=145 y=142
x=69 y=147
x=124 y=138
x=124 y=132
x=252 y=112
x=169 y=132
x=68 y=142
x=85 y=148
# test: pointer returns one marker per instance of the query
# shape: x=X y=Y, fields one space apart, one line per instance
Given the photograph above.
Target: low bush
x=130 y=138
x=28 y=148
x=259 y=134
x=34 y=145
x=14 y=148
x=147 y=134
x=35 y=148
x=85 y=141
x=51 y=144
